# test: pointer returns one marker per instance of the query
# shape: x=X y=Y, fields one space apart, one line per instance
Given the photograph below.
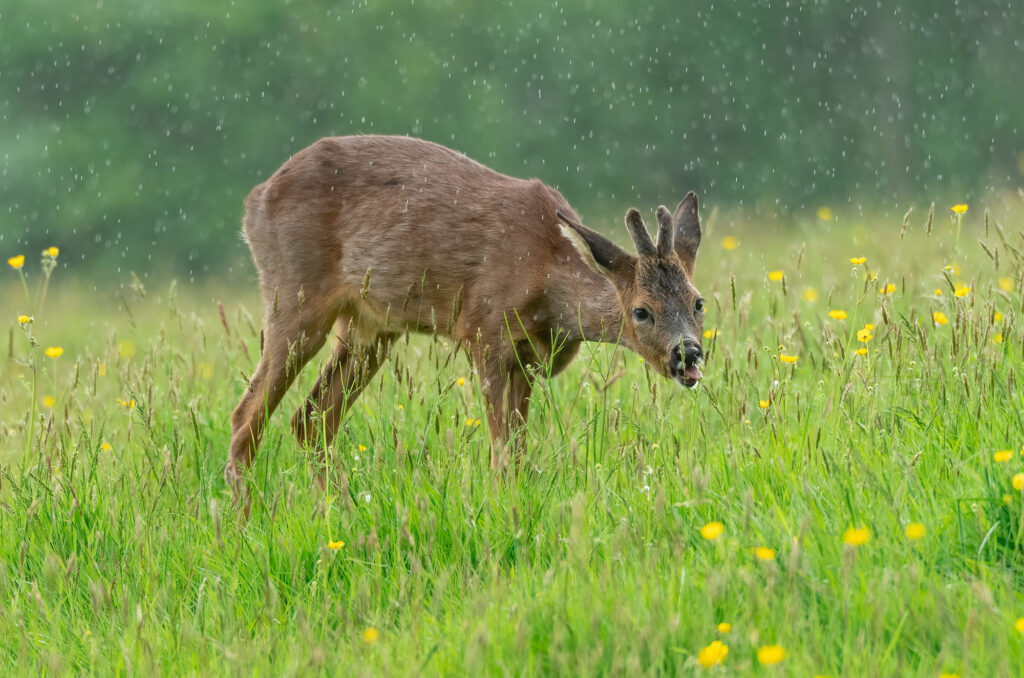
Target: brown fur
x=367 y=237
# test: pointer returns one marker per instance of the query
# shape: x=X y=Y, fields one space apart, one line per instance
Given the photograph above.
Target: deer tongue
x=692 y=372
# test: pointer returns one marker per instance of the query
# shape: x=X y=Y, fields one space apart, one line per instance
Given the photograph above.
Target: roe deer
x=367 y=237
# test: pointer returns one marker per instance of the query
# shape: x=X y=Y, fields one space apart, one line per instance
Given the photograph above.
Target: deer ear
x=687 y=231
x=598 y=252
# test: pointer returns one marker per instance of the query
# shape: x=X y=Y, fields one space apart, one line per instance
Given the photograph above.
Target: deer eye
x=641 y=314
x=699 y=305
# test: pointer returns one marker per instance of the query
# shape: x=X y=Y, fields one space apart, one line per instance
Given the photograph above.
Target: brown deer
x=367 y=237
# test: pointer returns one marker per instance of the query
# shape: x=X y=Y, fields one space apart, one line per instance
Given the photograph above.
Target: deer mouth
x=688 y=377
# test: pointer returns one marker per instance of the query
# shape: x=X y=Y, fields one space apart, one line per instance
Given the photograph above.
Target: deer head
x=663 y=311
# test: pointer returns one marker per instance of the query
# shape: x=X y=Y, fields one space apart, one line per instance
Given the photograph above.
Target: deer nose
x=690 y=350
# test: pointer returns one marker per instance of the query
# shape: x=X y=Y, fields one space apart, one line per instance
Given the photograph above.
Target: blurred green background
x=131 y=130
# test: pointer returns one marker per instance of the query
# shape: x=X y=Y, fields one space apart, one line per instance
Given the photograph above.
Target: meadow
x=841 y=496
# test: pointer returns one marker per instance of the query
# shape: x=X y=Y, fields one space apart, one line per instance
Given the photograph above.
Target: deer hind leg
x=506 y=390
x=349 y=370
x=291 y=338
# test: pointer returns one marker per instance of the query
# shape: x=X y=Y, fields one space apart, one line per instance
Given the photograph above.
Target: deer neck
x=599 y=313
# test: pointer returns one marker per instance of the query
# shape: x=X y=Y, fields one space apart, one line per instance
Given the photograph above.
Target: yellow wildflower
x=126 y=348
x=472 y=422
x=764 y=553
x=938 y=292
x=788 y=358
x=836 y=314
x=776 y=276
x=856 y=536
x=810 y=294
x=1006 y=284
x=1003 y=456
x=724 y=627
x=771 y=654
x=1019 y=625
x=997 y=317
x=869 y=326
x=959 y=209
x=1018 y=481
x=998 y=338
x=52 y=252
x=864 y=336
x=730 y=242
x=863 y=350
x=764 y=404
x=712 y=530
x=370 y=635
x=915 y=531
x=857 y=261
x=711 y=334
x=335 y=545
x=49 y=401
x=962 y=291
x=940 y=318
x=888 y=289
x=16 y=262
x=54 y=352
x=362 y=448
x=105 y=446
x=460 y=381
x=713 y=654
x=825 y=214
x=23 y=319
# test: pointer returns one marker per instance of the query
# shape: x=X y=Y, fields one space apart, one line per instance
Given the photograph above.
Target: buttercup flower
x=712 y=530
x=724 y=627
x=1006 y=284
x=764 y=553
x=962 y=291
x=23 y=319
x=889 y=288
x=788 y=358
x=959 y=209
x=730 y=242
x=49 y=401
x=460 y=381
x=857 y=261
x=837 y=314
x=710 y=334
x=335 y=545
x=764 y=404
x=713 y=654
x=771 y=654
x=371 y=635
x=915 y=531
x=810 y=294
x=52 y=252
x=54 y=352
x=1018 y=481
x=940 y=318
x=1003 y=456
x=856 y=536
x=16 y=262
x=864 y=336
x=825 y=214
x=776 y=276
x=863 y=350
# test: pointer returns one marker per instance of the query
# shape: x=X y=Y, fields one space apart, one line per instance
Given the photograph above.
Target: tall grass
x=122 y=554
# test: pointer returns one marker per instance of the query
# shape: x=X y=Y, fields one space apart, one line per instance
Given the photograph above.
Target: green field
x=121 y=552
